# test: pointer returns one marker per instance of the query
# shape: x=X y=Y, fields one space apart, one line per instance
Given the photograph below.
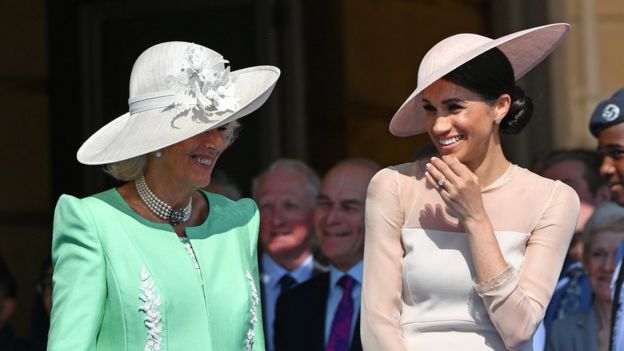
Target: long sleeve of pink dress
x=419 y=286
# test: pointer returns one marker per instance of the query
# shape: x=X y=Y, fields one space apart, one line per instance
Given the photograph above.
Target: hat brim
x=126 y=136
x=524 y=50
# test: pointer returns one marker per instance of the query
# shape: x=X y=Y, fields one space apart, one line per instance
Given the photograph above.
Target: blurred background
x=347 y=65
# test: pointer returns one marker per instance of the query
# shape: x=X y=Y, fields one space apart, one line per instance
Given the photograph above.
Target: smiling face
x=611 y=149
x=460 y=122
x=339 y=214
x=286 y=203
x=187 y=165
x=600 y=261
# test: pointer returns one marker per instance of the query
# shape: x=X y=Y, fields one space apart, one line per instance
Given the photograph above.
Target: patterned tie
x=341 y=325
x=286 y=282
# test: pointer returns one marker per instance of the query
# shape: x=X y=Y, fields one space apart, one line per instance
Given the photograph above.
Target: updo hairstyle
x=490 y=75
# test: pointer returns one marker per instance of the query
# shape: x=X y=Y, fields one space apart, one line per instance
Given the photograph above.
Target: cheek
x=619 y=166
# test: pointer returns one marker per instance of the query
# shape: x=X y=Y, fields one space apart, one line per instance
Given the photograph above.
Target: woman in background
x=589 y=330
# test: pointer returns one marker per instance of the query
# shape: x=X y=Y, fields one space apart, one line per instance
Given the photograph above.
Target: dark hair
x=490 y=75
x=590 y=159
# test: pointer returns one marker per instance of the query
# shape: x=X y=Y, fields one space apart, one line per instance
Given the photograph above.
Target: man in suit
x=322 y=314
x=286 y=195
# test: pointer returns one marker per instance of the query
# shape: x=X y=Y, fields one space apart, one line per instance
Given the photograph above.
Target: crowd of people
x=458 y=249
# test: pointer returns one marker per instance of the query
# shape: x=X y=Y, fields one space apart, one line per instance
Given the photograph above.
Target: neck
x=165 y=189
x=490 y=166
x=291 y=261
x=603 y=309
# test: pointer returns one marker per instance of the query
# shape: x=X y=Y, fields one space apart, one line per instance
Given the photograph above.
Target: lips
x=336 y=235
x=450 y=141
x=203 y=160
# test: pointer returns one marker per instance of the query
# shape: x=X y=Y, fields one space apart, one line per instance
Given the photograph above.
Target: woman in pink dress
x=463 y=249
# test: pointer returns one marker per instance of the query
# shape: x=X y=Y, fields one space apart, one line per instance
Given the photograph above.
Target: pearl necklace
x=161 y=208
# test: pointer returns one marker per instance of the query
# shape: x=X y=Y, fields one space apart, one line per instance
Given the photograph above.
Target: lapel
x=318 y=308
x=356 y=342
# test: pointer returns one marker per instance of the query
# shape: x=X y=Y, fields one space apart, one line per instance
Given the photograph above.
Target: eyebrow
x=447 y=101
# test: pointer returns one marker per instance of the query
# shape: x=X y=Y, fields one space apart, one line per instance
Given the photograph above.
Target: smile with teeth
x=203 y=160
x=450 y=141
x=336 y=234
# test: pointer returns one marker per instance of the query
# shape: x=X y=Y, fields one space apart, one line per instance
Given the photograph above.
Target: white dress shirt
x=335 y=294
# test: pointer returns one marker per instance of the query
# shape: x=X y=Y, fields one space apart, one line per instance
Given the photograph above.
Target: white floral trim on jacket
x=150 y=305
x=253 y=310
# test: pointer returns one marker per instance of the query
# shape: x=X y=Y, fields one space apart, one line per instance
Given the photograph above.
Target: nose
x=609 y=263
x=278 y=216
x=606 y=167
x=441 y=125
x=215 y=139
x=333 y=215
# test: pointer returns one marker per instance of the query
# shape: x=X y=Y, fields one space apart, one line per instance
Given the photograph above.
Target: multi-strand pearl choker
x=161 y=208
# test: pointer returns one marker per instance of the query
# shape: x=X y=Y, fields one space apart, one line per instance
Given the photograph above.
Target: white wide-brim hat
x=524 y=50
x=177 y=90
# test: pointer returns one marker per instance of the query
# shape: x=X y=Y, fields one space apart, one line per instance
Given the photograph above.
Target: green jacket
x=122 y=282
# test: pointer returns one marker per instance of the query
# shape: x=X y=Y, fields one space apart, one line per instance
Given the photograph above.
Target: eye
x=429 y=108
x=289 y=205
x=352 y=208
x=599 y=254
x=454 y=107
x=614 y=153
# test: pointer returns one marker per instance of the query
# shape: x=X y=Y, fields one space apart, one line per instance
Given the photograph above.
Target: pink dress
x=419 y=290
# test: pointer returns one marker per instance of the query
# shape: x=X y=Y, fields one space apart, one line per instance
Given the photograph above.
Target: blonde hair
x=130 y=169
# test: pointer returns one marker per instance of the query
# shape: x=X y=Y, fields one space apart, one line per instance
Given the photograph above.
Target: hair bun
x=519 y=113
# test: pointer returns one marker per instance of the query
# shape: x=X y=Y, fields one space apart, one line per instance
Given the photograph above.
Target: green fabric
x=100 y=247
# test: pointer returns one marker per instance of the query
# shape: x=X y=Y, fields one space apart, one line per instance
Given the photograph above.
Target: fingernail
x=433 y=159
x=428 y=165
x=426 y=173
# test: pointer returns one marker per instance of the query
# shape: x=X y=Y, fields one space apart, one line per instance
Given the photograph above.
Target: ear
x=501 y=107
x=7 y=307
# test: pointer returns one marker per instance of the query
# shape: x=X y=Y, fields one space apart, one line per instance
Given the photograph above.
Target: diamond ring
x=441 y=182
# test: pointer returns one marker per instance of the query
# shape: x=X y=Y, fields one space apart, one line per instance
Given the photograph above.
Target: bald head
x=339 y=214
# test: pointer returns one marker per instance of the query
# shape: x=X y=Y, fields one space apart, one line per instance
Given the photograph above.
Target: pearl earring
x=158 y=153
x=497 y=120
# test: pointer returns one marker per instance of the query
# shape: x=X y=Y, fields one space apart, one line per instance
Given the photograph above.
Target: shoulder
x=243 y=208
x=556 y=190
x=399 y=175
x=69 y=206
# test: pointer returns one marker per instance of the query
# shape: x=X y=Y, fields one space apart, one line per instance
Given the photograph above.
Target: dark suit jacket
x=577 y=332
x=300 y=318
x=318 y=269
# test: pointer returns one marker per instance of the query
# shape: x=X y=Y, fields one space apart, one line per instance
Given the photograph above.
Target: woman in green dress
x=157 y=264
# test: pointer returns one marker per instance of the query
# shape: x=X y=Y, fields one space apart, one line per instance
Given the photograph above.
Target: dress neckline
x=502 y=180
x=123 y=206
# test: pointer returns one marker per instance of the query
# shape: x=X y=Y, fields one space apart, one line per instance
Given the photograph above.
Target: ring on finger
x=441 y=182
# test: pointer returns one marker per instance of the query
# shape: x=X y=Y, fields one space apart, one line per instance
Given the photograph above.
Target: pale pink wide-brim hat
x=178 y=90
x=524 y=49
